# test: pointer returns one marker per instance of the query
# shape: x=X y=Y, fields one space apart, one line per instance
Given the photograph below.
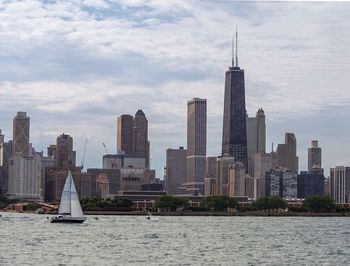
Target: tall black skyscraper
x=234 y=137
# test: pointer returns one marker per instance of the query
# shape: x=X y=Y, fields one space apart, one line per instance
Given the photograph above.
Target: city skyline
x=84 y=101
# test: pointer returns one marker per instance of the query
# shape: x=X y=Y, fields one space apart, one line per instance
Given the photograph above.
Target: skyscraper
x=65 y=156
x=236 y=181
x=339 y=184
x=176 y=170
x=234 y=139
x=224 y=163
x=132 y=139
x=2 y=179
x=5 y=155
x=125 y=138
x=2 y=138
x=287 y=153
x=256 y=138
x=310 y=184
x=314 y=156
x=140 y=132
x=196 y=139
x=263 y=162
x=21 y=124
x=281 y=182
x=25 y=177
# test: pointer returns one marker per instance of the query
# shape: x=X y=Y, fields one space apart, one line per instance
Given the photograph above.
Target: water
x=29 y=239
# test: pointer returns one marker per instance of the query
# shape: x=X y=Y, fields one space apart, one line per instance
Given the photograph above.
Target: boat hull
x=69 y=220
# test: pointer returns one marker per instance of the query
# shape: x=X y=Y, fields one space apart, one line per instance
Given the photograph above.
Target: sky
x=75 y=65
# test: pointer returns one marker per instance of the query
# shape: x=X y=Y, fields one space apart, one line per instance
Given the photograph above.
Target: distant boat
x=70 y=210
x=150 y=217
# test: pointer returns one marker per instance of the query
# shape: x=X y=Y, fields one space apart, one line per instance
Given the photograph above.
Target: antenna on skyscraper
x=233 y=50
x=236 y=47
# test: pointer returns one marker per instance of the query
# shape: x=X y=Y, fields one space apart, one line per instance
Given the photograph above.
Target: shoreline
x=201 y=214
x=222 y=214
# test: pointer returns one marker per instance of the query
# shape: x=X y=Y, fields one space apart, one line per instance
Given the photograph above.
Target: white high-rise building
x=196 y=140
x=25 y=177
x=339 y=184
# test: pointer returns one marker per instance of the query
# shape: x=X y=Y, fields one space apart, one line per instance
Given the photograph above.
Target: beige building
x=287 y=153
x=263 y=162
x=25 y=177
x=236 y=181
x=222 y=177
x=196 y=140
x=102 y=186
x=256 y=138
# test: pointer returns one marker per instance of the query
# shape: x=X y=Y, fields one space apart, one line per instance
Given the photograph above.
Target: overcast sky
x=75 y=65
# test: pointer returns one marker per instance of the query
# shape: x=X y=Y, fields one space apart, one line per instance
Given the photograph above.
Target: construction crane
x=104 y=145
x=82 y=162
x=115 y=159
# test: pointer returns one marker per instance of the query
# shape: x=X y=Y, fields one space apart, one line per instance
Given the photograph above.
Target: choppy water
x=130 y=240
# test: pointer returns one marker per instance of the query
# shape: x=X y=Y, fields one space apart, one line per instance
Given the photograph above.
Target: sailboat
x=70 y=210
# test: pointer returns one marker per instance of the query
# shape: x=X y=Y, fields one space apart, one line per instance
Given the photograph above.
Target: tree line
x=213 y=204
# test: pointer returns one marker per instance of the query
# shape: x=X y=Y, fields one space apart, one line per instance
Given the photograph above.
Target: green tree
x=121 y=202
x=219 y=203
x=170 y=203
x=270 y=203
x=319 y=204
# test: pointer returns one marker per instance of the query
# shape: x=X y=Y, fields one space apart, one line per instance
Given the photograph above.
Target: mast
x=70 y=191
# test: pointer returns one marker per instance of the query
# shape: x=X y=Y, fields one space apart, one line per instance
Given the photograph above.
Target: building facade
x=118 y=161
x=125 y=135
x=224 y=163
x=196 y=140
x=132 y=136
x=314 y=156
x=102 y=186
x=287 y=153
x=21 y=125
x=236 y=182
x=310 y=184
x=234 y=139
x=339 y=184
x=56 y=178
x=65 y=155
x=25 y=177
x=176 y=169
x=113 y=176
x=263 y=162
x=141 y=143
x=256 y=138
x=281 y=182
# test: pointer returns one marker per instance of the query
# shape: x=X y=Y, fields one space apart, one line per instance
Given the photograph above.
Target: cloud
x=75 y=65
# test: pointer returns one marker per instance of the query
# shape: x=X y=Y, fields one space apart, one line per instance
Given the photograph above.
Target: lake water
x=29 y=239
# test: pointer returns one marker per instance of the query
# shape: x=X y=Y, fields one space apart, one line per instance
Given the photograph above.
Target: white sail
x=65 y=205
x=70 y=204
x=76 y=210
